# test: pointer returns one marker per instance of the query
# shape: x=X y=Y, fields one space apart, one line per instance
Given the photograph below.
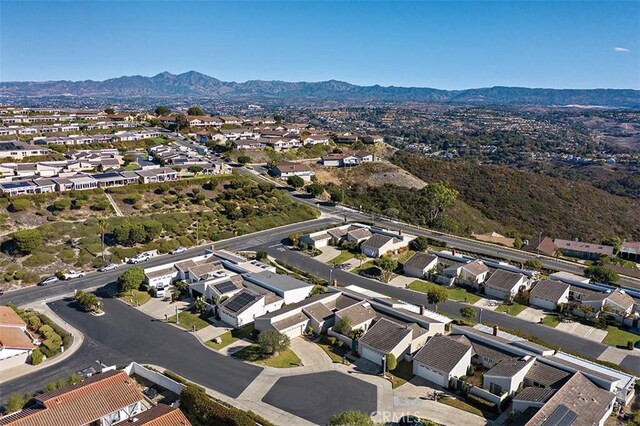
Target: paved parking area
x=302 y=395
x=532 y=315
x=583 y=331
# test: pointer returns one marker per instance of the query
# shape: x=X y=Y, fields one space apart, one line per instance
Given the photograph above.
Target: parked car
x=109 y=267
x=49 y=280
x=161 y=290
x=178 y=250
x=142 y=257
x=69 y=275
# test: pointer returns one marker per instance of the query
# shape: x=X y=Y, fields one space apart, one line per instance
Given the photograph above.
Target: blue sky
x=442 y=44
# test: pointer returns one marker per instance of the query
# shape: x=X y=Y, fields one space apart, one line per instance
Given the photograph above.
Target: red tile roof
x=15 y=338
x=160 y=415
x=81 y=403
x=9 y=317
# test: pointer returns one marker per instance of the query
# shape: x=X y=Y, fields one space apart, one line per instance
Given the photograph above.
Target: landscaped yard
x=364 y=267
x=253 y=353
x=231 y=337
x=619 y=337
x=189 y=319
x=401 y=375
x=131 y=166
x=551 y=320
x=455 y=293
x=138 y=298
x=341 y=258
x=513 y=309
x=336 y=354
x=405 y=255
x=461 y=405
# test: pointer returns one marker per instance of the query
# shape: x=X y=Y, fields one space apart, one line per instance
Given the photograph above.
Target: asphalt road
x=123 y=335
x=92 y=280
x=318 y=396
x=568 y=342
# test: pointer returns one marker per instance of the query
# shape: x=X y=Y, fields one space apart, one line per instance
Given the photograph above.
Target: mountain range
x=195 y=84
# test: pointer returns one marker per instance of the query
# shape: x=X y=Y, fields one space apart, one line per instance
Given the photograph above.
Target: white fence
x=154 y=377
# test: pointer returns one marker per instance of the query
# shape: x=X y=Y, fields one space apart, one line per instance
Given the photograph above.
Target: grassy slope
x=531 y=202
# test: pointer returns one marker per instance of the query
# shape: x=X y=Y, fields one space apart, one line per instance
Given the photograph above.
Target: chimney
x=421 y=309
x=334 y=283
x=453 y=252
x=495 y=330
x=213 y=247
x=400 y=232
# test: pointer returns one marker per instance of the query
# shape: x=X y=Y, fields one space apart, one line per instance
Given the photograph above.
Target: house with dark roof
x=384 y=241
x=542 y=245
x=103 y=399
x=287 y=169
x=582 y=250
x=507 y=375
x=630 y=250
x=548 y=294
x=419 y=265
x=505 y=284
x=383 y=338
x=443 y=358
x=472 y=273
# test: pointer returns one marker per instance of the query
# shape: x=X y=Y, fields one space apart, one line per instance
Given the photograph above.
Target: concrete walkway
x=309 y=353
x=584 y=331
x=113 y=203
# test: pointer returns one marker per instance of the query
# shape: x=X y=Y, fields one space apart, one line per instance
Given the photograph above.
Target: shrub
x=331 y=340
x=19 y=205
x=36 y=356
x=272 y=341
x=101 y=204
x=61 y=204
x=27 y=240
x=391 y=361
x=39 y=259
x=351 y=418
x=244 y=159
x=16 y=401
x=295 y=181
x=201 y=409
x=131 y=279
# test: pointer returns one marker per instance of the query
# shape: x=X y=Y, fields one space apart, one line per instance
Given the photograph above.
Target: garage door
x=371 y=355
x=432 y=376
x=294 y=331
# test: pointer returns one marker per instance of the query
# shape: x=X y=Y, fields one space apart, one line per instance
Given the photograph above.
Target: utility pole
x=384 y=366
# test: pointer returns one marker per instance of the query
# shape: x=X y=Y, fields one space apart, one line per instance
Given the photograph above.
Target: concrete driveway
x=487 y=304
x=584 y=331
x=328 y=253
x=532 y=315
x=401 y=281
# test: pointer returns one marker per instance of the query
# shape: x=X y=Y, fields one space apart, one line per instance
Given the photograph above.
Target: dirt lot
x=374 y=174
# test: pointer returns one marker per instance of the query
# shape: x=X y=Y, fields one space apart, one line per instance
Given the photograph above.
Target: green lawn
x=334 y=353
x=188 y=320
x=285 y=359
x=551 y=320
x=458 y=294
x=341 y=258
x=513 y=309
x=131 y=166
x=619 y=337
x=231 y=336
x=401 y=375
x=364 y=267
x=139 y=297
x=461 y=405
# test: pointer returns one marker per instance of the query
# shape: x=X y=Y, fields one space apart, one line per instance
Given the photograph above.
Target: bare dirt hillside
x=373 y=174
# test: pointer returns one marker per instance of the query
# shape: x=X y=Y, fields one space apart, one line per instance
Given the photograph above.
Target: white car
x=69 y=275
x=178 y=250
x=139 y=258
x=48 y=280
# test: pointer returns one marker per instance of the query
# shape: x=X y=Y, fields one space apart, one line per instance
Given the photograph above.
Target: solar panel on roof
x=20 y=184
x=561 y=416
x=239 y=302
x=225 y=287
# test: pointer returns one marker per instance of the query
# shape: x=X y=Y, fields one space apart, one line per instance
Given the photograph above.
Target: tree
x=419 y=244
x=271 y=341
x=336 y=196
x=315 y=189
x=181 y=121
x=27 y=240
x=102 y=223
x=613 y=241
x=438 y=197
x=128 y=159
x=601 y=274
x=162 y=110
x=199 y=306
x=61 y=204
x=244 y=159
x=110 y=111
x=388 y=265
x=437 y=295
x=468 y=312
x=195 y=169
x=533 y=264
x=295 y=181
x=351 y=418
x=343 y=326
x=391 y=362
x=360 y=256
x=131 y=279
x=20 y=204
x=36 y=357
x=194 y=110
x=89 y=300
x=101 y=204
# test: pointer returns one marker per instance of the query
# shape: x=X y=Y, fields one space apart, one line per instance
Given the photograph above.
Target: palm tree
x=102 y=222
x=360 y=256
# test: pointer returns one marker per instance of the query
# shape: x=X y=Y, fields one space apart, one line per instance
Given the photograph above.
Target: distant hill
x=195 y=84
x=530 y=202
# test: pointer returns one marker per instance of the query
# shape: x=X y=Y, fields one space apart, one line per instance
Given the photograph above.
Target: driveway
x=328 y=253
x=488 y=304
x=532 y=315
x=584 y=331
x=401 y=281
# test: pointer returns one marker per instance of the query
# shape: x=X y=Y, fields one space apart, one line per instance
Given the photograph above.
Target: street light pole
x=384 y=366
x=539 y=241
x=177 y=319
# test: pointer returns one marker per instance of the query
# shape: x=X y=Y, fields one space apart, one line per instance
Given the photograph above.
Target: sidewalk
x=24 y=369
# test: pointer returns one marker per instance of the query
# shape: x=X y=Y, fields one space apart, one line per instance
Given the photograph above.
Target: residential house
x=359 y=316
x=582 y=250
x=103 y=399
x=346 y=159
x=578 y=402
x=419 y=265
x=442 y=358
x=505 y=285
x=384 y=241
x=388 y=337
x=245 y=306
x=495 y=238
x=549 y=294
x=286 y=169
x=473 y=273
x=250 y=144
x=17 y=149
x=316 y=140
x=160 y=415
x=507 y=375
x=616 y=303
x=630 y=250
x=288 y=288
x=162 y=174
x=544 y=245
x=281 y=144
x=569 y=278
x=371 y=139
x=16 y=344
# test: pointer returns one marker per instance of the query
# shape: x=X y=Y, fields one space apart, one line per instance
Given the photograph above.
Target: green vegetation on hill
x=530 y=202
